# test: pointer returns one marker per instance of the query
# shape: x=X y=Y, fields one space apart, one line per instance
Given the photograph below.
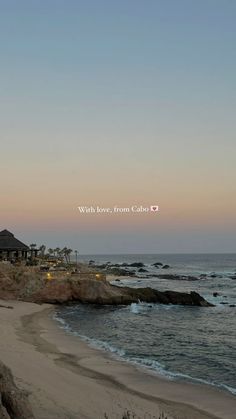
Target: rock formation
x=178 y=277
x=101 y=292
x=34 y=287
x=13 y=401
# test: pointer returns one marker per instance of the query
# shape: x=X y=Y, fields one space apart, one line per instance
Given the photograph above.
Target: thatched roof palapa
x=9 y=242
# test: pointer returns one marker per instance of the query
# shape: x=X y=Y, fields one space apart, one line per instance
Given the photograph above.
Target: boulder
x=14 y=403
x=166 y=267
x=178 y=277
x=137 y=265
x=119 y=272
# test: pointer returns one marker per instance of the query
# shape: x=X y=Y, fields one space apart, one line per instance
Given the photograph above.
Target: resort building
x=12 y=248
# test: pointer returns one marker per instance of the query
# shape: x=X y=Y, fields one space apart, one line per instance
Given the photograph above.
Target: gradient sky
x=119 y=103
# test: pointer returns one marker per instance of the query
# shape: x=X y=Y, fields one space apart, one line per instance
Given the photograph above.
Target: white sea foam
x=155 y=366
x=146 y=363
x=140 y=307
x=95 y=343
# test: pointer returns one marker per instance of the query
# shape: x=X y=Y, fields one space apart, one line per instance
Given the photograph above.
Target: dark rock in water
x=233 y=277
x=91 y=262
x=137 y=265
x=166 y=267
x=214 y=275
x=102 y=266
x=232 y=305
x=203 y=276
x=124 y=264
x=13 y=401
x=119 y=272
x=150 y=295
x=178 y=277
x=142 y=270
x=215 y=294
x=157 y=264
x=117 y=280
x=223 y=302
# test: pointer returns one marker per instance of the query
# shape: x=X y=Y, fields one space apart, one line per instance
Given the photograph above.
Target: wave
x=95 y=343
x=155 y=366
x=147 y=363
x=137 y=308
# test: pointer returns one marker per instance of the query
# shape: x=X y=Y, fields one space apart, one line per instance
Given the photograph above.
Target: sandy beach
x=67 y=379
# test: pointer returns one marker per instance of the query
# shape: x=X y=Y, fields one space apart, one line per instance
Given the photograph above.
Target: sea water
x=196 y=344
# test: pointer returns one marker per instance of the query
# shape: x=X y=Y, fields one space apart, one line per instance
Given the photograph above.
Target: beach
x=67 y=379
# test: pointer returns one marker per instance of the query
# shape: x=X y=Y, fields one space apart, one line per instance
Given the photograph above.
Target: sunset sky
x=121 y=103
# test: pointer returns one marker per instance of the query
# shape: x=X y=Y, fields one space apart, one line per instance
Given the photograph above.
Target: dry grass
x=131 y=415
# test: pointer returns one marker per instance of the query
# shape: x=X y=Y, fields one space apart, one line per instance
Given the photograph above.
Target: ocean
x=196 y=344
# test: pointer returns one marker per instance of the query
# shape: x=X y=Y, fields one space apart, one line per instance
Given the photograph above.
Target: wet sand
x=67 y=379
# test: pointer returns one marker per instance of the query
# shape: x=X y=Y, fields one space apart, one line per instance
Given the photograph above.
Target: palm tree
x=69 y=251
x=64 y=254
x=57 y=251
x=50 y=251
x=42 y=249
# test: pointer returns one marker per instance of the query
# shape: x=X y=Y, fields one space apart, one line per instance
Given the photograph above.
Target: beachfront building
x=12 y=248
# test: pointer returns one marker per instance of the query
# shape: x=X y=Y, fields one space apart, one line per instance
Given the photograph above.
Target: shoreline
x=68 y=379
x=165 y=375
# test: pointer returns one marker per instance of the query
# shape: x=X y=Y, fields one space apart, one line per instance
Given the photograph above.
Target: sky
x=119 y=103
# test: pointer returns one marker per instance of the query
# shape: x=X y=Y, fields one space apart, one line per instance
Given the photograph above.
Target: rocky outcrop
x=176 y=277
x=13 y=401
x=101 y=292
x=137 y=265
x=35 y=287
x=119 y=271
